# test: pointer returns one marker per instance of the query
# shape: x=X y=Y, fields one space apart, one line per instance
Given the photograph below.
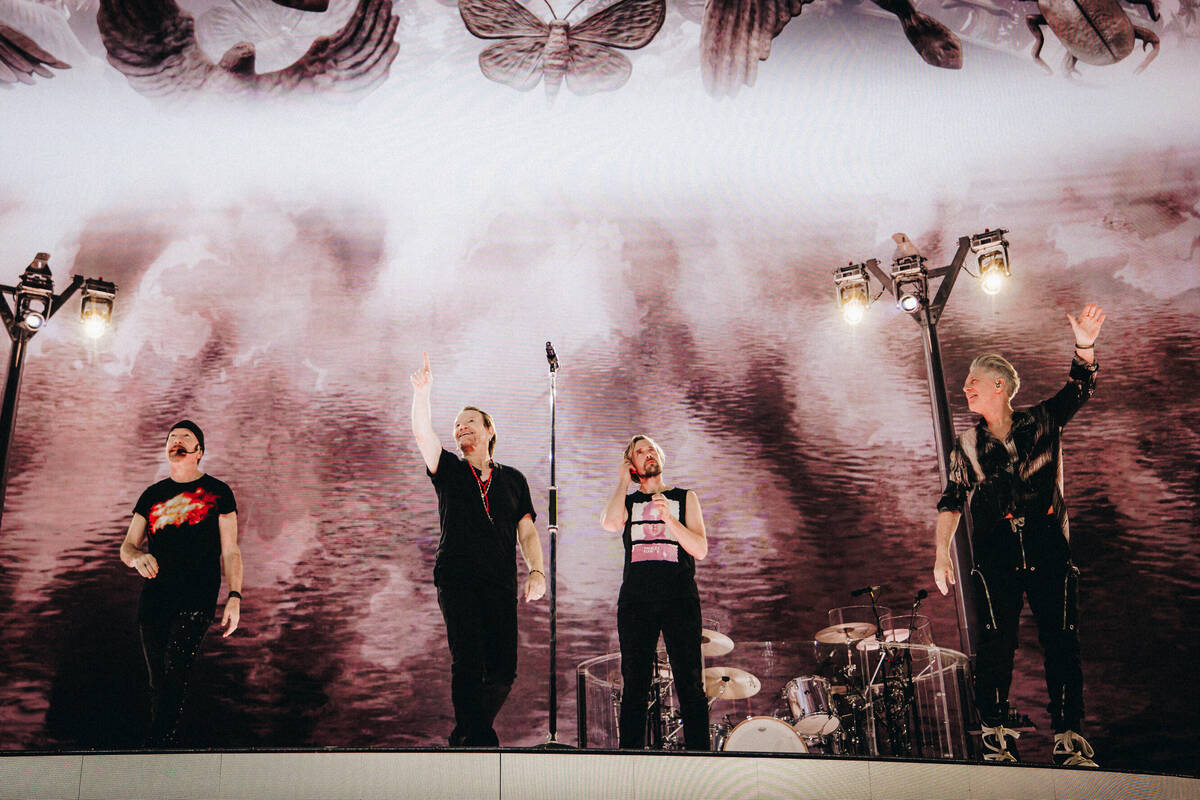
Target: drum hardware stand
x=658 y=714
x=849 y=671
x=856 y=700
x=909 y=685
x=884 y=657
x=672 y=737
x=655 y=717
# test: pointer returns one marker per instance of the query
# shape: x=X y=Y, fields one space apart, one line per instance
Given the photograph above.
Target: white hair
x=999 y=366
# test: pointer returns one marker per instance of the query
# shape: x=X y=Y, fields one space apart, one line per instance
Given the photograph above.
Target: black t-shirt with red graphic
x=185 y=539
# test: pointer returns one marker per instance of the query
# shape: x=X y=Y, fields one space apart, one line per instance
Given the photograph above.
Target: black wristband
x=1079 y=346
x=238 y=595
x=538 y=571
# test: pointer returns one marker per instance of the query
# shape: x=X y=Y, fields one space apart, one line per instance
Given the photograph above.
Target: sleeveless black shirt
x=656 y=566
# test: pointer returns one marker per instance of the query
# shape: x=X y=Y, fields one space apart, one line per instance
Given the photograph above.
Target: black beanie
x=187 y=424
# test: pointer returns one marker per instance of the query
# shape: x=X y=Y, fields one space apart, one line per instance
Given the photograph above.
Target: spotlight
x=854 y=310
x=910 y=282
x=34 y=294
x=991 y=249
x=853 y=291
x=95 y=310
x=25 y=309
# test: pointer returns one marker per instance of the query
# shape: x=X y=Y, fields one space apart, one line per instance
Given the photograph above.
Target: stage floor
x=553 y=775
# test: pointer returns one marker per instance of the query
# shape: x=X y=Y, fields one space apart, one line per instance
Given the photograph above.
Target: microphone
x=921 y=595
x=551 y=357
x=865 y=590
x=912 y=615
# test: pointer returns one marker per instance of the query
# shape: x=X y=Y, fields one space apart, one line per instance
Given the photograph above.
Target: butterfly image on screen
x=581 y=53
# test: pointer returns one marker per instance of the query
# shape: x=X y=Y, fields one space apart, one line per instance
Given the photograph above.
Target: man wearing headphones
x=184 y=528
x=663 y=532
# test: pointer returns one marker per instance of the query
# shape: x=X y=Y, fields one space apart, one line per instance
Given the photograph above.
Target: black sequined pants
x=170 y=642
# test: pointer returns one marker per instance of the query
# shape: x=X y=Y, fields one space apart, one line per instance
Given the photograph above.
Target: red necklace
x=483 y=488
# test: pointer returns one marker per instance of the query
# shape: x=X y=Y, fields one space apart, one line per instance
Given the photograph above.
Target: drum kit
x=860 y=703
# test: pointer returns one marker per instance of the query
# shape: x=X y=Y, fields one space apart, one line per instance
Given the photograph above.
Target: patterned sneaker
x=996 y=744
x=1072 y=750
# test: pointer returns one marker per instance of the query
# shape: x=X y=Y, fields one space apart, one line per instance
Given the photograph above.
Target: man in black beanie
x=184 y=528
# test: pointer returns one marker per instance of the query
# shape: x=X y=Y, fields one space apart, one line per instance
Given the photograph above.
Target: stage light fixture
x=910 y=282
x=25 y=309
x=34 y=294
x=909 y=285
x=991 y=250
x=95 y=310
x=853 y=291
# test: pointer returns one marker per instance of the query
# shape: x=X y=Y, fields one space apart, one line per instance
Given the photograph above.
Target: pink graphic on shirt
x=652 y=540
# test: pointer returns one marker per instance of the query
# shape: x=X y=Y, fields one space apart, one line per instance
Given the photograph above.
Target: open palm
x=1087 y=325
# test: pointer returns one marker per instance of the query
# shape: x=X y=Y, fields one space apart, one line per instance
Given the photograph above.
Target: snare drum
x=764 y=735
x=808 y=698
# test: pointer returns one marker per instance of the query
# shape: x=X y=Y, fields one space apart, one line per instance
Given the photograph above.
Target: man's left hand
x=1087 y=325
x=535 y=586
x=232 y=615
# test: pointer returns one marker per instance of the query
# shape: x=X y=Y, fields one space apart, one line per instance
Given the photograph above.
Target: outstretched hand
x=422 y=378
x=1087 y=325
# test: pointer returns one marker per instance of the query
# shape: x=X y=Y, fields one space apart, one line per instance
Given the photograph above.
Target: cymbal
x=889 y=635
x=714 y=643
x=845 y=633
x=730 y=683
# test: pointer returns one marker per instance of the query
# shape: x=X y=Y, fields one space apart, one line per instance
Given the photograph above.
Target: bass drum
x=764 y=735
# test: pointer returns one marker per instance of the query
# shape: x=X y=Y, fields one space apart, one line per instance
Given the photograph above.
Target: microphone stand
x=885 y=659
x=552 y=529
x=912 y=617
x=910 y=689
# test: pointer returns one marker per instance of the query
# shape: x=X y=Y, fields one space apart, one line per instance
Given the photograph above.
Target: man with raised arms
x=484 y=509
x=663 y=532
x=184 y=528
x=1008 y=467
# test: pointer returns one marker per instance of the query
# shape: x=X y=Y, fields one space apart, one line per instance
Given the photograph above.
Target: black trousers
x=481 y=629
x=638 y=625
x=170 y=642
x=1053 y=599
